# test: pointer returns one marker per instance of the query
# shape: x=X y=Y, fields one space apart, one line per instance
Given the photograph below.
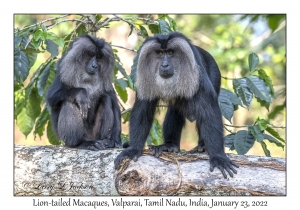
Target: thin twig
x=72 y=20
x=50 y=19
x=243 y=126
x=147 y=20
x=162 y=105
x=228 y=78
x=125 y=111
x=230 y=131
x=133 y=50
x=129 y=109
x=108 y=21
x=73 y=33
x=130 y=23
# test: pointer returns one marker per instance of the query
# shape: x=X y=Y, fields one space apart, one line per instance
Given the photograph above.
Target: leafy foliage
x=32 y=79
x=260 y=87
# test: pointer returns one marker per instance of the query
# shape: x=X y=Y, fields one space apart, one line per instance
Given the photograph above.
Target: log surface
x=57 y=170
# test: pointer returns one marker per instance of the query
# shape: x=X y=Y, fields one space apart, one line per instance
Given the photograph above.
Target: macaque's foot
x=198 y=149
x=224 y=164
x=157 y=150
x=128 y=153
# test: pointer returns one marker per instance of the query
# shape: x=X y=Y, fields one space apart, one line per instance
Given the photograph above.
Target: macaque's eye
x=159 y=52
x=98 y=55
x=92 y=54
x=170 y=52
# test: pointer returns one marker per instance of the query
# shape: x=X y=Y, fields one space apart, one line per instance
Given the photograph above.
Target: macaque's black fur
x=84 y=109
x=202 y=106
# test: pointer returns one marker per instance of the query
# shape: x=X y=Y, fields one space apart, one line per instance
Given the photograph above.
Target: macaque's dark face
x=166 y=70
x=88 y=64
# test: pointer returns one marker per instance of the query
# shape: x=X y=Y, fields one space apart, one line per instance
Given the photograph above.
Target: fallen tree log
x=56 y=170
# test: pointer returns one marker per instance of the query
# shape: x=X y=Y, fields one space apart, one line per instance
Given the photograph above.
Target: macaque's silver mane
x=183 y=84
x=72 y=67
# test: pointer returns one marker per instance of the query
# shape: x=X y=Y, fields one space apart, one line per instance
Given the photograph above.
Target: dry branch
x=56 y=170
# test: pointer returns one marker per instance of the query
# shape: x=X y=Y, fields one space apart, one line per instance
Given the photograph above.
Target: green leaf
x=243 y=141
x=51 y=47
x=236 y=107
x=43 y=27
x=126 y=117
x=233 y=97
x=122 y=83
x=17 y=41
x=260 y=89
x=45 y=35
x=131 y=29
x=38 y=35
x=134 y=66
x=19 y=102
x=162 y=16
x=52 y=138
x=24 y=42
x=81 y=30
x=98 y=17
x=164 y=27
x=154 y=28
x=256 y=133
x=173 y=25
x=273 y=140
x=55 y=38
x=51 y=77
x=124 y=138
x=149 y=140
x=155 y=133
x=42 y=79
x=241 y=89
x=263 y=75
x=253 y=61
x=32 y=52
x=266 y=151
x=32 y=58
x=33 y=106
x=28 y=89
x=263 y=103
x=21 y=66
x=24 y=122
x=41 y=122
x=18 y=87
x=275 y=134
x=52 y=36
x=263 y=124
x=123 y=72
x=36 y=44
x=274 y=21
x=121 y=92
x=229 y=141
x=275 y=111
x=144 y=31
x=60 y=42
x=225 y=105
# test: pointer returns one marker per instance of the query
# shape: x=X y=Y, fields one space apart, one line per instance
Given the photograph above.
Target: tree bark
x=57 y=170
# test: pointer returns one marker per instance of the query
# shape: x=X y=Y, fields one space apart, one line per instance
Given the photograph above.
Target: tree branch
x=72 y=20
x=227 y=78
x=61 y=171
x=130 y=23
x=243 y=126
x=50 y=19
x=108 y=21
x=133 y=50
x=129 y=109
x=147 y=20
